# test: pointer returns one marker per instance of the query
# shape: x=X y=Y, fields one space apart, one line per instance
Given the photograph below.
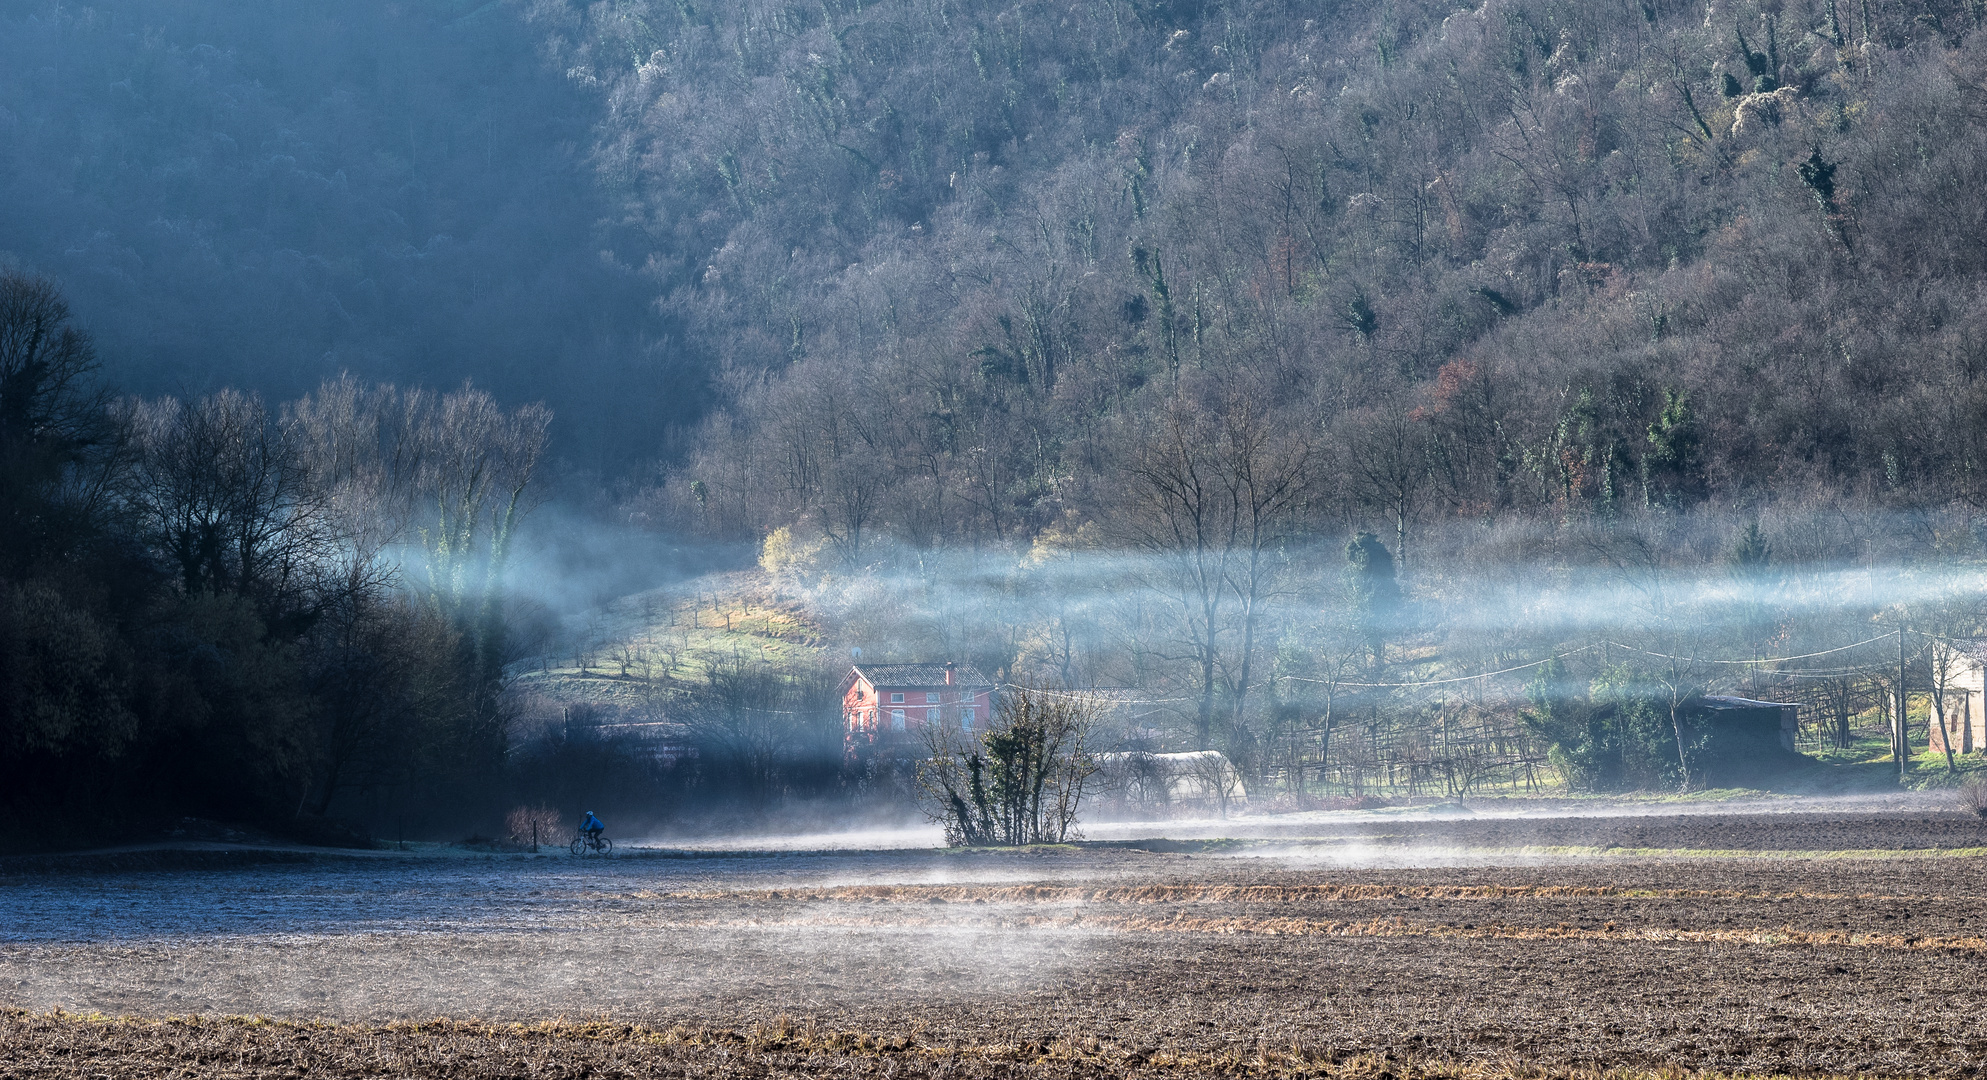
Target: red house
x=882 y=703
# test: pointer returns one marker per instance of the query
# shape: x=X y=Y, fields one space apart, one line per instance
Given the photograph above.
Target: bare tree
x=1944 y=666
x=226 y=499
x=852 y=490
x=477 y=463
x=1340 y=660
x=45 y=363
x=451 y=474
x=1212 y=490
x=754 y=723
x=1388 y=465
x=1948 y=622
x=50 y=417
x=1216 y=779
x=363 y=453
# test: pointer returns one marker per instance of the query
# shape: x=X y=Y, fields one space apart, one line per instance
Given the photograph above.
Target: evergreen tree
x=1373 y=591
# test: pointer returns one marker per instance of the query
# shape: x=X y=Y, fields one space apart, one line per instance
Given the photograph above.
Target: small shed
x=1742 y=739
x=1760 y=724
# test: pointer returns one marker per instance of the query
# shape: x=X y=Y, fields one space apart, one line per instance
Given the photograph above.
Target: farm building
x=1965 y=670
x=1741 y=724
x=1743 y=740
x=882 y=703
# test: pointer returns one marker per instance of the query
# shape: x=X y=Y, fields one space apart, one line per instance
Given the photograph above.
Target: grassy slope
x=641 y=650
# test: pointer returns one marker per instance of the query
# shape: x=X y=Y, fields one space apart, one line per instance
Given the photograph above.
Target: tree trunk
x=1939 y=718
x=1204 y=721
x=1901 y=730
x=1676 y=726
x=323 y=804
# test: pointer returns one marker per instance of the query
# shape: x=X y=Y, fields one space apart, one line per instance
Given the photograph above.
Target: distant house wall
x=1975 y=709
x=1966 y=706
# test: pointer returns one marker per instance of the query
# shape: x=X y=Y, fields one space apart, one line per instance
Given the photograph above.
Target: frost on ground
x=1168 y=957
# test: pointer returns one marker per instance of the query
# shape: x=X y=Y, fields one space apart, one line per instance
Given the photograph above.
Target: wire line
x=1589 y=648
x=1443 y=682
x=1759 y=660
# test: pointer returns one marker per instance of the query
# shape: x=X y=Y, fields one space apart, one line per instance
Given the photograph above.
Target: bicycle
x=584 y=843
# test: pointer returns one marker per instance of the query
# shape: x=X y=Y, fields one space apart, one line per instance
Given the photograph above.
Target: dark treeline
x=215 y=607
x=305 y=617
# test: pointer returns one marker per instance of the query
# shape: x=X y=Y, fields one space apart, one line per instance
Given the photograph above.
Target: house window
x=931 y=697
x=896 y=699
x=931 y=716
x=896 y=719
x=966 y=719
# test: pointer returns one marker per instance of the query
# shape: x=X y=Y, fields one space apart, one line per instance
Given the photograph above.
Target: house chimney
x=950 y=672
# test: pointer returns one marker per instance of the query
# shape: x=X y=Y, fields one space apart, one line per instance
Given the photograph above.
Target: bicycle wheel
x=578 y=846
x=606 y=846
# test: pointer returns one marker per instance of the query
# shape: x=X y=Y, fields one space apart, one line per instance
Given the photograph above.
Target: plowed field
x=1744 y=943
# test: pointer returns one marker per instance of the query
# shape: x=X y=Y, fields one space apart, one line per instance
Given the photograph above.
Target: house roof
x=1727 y=701
x=919 y=675
x=1973 y=650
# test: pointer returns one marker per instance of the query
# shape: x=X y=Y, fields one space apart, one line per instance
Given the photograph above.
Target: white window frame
x=896 y=699
x=931 y=697
x=966 y=719
x=896 y=719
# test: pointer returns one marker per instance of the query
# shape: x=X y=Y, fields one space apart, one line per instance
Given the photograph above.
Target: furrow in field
x=68 y=1047
x=1403 y=928
x=1236 y=894
x=1282 y=926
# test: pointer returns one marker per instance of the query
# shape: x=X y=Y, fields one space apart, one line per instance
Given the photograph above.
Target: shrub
x=534 y=825
x=1973 y=796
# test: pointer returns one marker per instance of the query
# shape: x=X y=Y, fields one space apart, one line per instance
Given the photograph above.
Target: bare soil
x=1278 y=959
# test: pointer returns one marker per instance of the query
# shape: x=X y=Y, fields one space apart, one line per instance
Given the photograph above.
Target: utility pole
x=1900 y=747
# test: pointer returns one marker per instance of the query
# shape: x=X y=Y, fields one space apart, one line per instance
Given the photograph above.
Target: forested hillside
x=1291 y=362
x=970 y=246
x=1524 y=258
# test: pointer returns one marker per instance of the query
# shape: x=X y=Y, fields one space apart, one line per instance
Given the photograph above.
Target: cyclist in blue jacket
x=592 y=826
